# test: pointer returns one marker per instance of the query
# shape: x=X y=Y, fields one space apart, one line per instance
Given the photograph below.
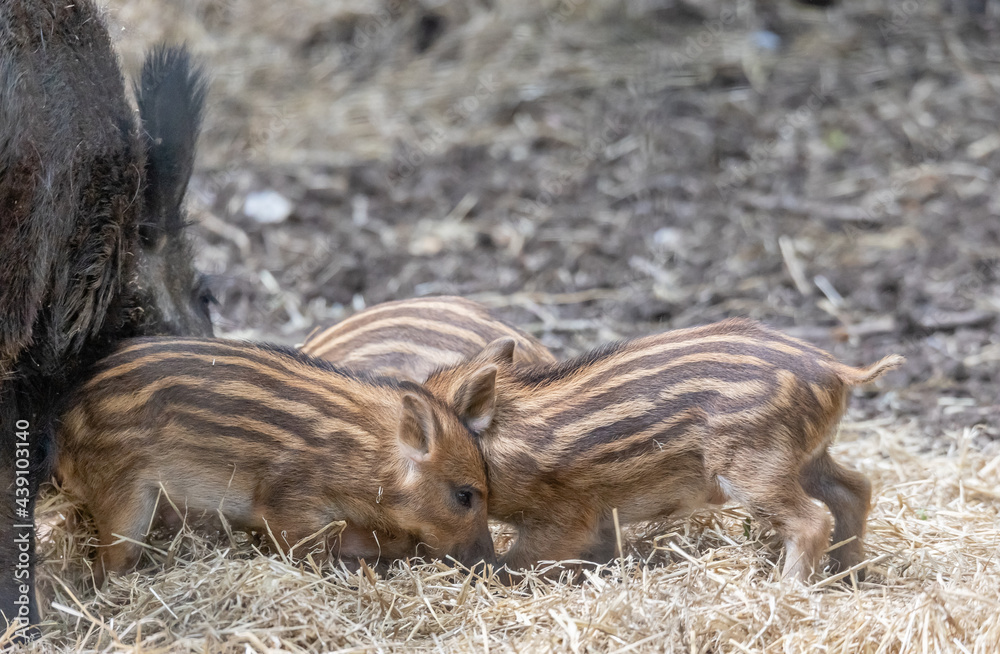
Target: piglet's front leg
x=294 y=531
x=553 y=541
x=122 y=519
x=604 y=548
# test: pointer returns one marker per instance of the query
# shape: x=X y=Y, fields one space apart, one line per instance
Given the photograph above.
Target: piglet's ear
x=475 y=400
x=416 y=428
x=500 y=351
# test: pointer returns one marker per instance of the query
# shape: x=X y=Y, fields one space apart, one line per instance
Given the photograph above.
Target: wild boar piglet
x=410 y=339
x=276 y=442
x=661 y=425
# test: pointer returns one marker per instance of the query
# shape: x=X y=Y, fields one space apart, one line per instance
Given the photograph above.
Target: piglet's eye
x=464 y=498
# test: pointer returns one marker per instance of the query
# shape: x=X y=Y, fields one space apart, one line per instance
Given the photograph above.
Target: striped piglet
x=661 y=425
x=278 y=443
x=410 y=339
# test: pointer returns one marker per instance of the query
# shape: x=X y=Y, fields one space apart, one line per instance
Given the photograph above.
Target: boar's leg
x=124 y=513
x=848 y=495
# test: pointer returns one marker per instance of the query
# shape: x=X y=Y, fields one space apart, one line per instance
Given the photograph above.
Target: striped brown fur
x=661 y=425
x=410 y=339
x=277 y=442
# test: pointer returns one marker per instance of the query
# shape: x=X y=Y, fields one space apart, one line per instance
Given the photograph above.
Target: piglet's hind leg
x=848 y=495
x=771 y=493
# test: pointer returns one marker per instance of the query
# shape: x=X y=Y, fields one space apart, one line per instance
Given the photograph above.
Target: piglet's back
x=412 y=338
x=733 y=357
x=733 y=373
x=161 y=397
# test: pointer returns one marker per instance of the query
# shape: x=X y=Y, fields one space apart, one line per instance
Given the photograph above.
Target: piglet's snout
x=479 y=552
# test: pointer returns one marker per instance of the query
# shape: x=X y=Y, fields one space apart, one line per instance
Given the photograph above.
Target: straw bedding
x=707 y=583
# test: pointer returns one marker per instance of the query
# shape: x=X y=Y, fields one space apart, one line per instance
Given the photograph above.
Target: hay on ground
x=707 y=583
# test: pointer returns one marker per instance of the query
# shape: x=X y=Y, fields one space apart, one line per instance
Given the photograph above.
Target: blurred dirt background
x=598 y=169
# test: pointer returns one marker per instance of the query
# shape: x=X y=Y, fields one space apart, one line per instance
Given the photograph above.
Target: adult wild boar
x=92 y=248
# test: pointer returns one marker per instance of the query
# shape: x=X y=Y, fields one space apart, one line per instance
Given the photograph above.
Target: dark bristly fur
x=661 y=425
x=77 y=179
x=412 y=338
x=273 y=440
x=171 y=96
